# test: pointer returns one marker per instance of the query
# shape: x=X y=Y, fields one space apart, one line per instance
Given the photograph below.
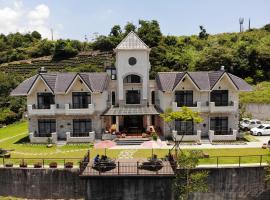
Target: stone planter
x=23 y=165
x=69 y=165
x=37 y=165
x=9 y=165
x=53 y=165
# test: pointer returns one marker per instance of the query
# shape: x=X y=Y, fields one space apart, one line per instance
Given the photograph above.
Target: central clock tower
x=132 y=60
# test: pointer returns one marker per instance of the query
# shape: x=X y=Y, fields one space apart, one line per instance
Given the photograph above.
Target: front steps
x=60 y=143
x=131 y=141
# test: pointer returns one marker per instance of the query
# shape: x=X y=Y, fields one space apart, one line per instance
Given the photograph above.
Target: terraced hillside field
x=25 y=67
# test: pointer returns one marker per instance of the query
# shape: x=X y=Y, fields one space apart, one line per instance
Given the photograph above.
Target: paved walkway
x=8 y=138
x=232 y=165
x=51 y=153
x=127 y=154
x=202 y=146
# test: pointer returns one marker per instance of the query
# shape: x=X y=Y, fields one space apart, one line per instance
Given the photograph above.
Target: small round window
x=132 y=61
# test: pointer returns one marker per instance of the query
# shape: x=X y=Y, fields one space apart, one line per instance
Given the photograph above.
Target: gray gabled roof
x=24 y=87
x=240 y=83
x=131 y=41
x=60 y=82
x=204 y=80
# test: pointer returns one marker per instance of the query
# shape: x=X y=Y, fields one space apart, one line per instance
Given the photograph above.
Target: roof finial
x=42 y=70
x=222 y=68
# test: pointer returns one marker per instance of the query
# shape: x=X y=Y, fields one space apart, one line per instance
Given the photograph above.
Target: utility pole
x=85 y=42
x=249 y=24
x=241 y=22
x=52 y=33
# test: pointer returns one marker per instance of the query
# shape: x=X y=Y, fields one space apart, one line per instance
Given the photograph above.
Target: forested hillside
x=245 y=54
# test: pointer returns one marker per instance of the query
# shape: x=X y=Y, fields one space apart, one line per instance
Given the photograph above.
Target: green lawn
x=14 y=137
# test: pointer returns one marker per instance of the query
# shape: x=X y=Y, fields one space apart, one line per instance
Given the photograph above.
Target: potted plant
x=7 y=155
x=264 y=146
x=53 y=165
x=9 y=165
x=205 y=155
x=154 y=136
x=69 y=165
x=37 y=165
x=118 y=134
x=144 y=135
x=49 y=140
x=23 y=164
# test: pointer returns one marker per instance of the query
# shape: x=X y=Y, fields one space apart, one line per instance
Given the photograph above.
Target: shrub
x=154 y=136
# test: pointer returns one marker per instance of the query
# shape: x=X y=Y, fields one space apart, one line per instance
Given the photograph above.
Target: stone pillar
x=117 y=123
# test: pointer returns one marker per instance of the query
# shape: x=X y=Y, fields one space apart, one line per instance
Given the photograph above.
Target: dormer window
x=132 y=79
x=220 y=97
x=44 y=100
x=81 y=99
x=184 y=98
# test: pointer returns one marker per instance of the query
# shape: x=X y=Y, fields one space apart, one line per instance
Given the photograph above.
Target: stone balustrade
x=224 y=137
x=87 y=139
x=196 y=137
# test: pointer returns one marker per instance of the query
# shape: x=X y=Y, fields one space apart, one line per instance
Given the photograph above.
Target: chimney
x=222 y=68
x=42 y=70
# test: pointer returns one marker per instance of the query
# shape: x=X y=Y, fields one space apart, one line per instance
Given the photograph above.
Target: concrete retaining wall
x=236 y=183
x=226 y=183
x=259 y=111
x=130 y=188
x=41 y=183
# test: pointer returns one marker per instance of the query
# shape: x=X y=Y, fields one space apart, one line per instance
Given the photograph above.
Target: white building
x=79 y=107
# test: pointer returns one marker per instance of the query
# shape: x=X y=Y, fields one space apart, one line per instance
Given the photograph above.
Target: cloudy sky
x=76 y=18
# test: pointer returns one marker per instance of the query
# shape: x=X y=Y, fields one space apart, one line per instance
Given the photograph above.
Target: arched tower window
x=132 y=79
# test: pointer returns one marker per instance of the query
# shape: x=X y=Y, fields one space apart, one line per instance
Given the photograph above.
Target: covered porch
x=131 y=121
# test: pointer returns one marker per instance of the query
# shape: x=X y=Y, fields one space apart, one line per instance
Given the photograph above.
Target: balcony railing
x=230 y=107
x=195 y=107
x=33 y=110
x=69 y=110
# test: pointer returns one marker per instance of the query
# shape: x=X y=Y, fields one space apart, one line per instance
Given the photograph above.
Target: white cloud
x=15 y=17
x=41 y=12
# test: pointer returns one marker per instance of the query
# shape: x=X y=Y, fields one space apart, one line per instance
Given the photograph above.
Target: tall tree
x=116 y=31
x=36 y=35
x=149 y=32
x=129 y=27
x=188 y=179
x=203 y=34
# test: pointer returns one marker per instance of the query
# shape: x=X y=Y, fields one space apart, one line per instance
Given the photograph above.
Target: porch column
x=117 y=123
x=148 y=120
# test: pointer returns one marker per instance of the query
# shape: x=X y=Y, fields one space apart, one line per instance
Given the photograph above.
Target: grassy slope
x=260 y=94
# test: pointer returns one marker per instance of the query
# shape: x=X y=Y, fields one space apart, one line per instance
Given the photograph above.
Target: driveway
x=263 y=139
